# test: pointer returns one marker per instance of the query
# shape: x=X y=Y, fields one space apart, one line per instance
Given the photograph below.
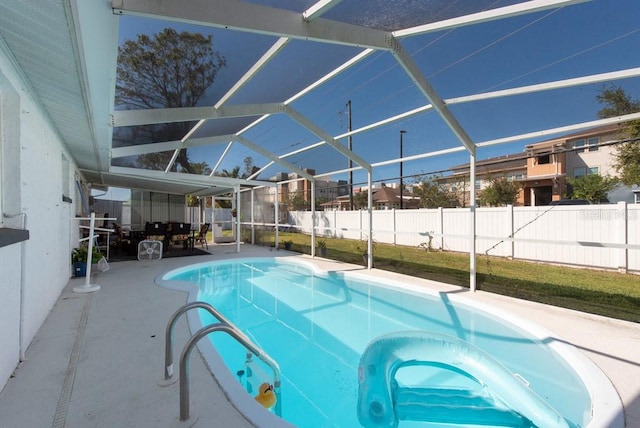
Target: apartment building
x=326 y=190
x=551 y=163
x=544 y=168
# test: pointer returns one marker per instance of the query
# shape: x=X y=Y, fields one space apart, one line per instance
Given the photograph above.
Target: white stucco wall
x=33 y=273
x=9 y=311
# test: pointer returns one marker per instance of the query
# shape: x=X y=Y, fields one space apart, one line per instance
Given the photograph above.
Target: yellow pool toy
x=266 y=396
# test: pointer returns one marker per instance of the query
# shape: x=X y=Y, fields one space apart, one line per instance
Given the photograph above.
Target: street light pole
x=402 y=132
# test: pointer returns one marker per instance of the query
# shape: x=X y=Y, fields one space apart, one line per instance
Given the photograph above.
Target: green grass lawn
x=610 y=294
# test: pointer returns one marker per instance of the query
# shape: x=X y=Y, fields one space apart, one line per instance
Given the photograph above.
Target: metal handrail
x=236 y=334
x=224 y=325
x=168 y=347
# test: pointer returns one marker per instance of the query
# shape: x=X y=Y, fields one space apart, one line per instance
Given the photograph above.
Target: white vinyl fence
x=602 y=236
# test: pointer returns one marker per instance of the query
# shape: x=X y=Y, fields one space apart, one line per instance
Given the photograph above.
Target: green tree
x=167 y=70
x=592 y=187
x=233 y=173
x=193 y=201
x=627 y=155
x=360 y=200
x=249 y=167
x=432 y=194
x=296 y=202
x=200 y=168
x=500 y=192
x=321 y=200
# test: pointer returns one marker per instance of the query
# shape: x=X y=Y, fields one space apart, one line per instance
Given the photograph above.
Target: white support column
x=370 y=212
x=253 y=222
x=510 y=247
x=623 y=236
x=276 y=206
x=238 y=211
x=472 y=232
x=440 y=230
x=313 y=218
x=532 y=199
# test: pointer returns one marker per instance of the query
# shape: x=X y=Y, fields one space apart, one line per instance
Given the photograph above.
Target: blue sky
x=593 y=37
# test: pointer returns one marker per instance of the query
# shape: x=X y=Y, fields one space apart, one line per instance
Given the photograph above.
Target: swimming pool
x=317 y=325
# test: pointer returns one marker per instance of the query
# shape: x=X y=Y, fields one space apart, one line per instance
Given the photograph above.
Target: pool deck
x=98 y=358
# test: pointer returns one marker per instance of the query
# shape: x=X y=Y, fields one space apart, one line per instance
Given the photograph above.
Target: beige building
x=551 y=163
x=326 y=189
x=544 y=168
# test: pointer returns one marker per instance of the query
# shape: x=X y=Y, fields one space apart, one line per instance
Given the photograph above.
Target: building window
x=586 y=145
x=478 y=184
x=581 y=171
x=543 y=159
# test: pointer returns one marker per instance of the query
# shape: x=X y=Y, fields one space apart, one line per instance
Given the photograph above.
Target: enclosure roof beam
x=254 y=70
x=562 y=129
x=221 y=158
x=291 y=167
x=295 y=115
x=559 y=84
x=414 y=72
x=486 y=16
x=255 y=18
x=505 y=140
x=319 y=8
x=336 y=71
x=547 y=86
x=186 y=114
x=195 y=179
x=140 y=149
x=264 y=168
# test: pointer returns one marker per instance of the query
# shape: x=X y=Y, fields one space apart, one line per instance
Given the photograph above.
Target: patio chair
x=201 y=236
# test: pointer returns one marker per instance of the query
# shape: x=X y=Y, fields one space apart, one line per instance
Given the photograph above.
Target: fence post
x=623 y=257
x=395 y=226
x=510 y=232
x=440 y=226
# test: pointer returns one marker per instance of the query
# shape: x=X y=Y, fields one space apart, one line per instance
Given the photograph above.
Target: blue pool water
x=316 y=325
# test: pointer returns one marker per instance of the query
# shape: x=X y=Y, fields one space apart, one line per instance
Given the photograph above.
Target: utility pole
x=350 y=139
x=402 y=132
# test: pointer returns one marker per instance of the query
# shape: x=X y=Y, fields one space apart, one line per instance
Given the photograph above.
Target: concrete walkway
x=98 y=358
